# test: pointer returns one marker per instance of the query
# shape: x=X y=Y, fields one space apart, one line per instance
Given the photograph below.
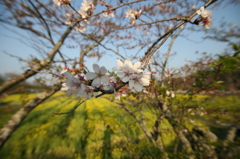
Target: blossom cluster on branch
x=89 y=84
x=87 y=10
x=206 y=17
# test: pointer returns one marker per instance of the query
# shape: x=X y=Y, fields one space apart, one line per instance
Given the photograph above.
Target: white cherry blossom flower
x=204 y=13
x=86 y=5
x=206 y=17
x=61 y=2
x=128 y=69
x=98 y=76
x=133 y=15
x=80 y=27
x=80 y=91
x=88 y=92
x=73 y=85
x=111 y=85
x=83 y=13
x=108 y=14
x=139 y=81
x=70 y=17
x=206 y=22
x=120 y=66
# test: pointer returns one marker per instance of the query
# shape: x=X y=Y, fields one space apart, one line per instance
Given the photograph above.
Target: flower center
x=206 y=21
x=76 y=84
x=128 y=74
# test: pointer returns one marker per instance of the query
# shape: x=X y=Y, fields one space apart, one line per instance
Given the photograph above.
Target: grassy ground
x=97 y=129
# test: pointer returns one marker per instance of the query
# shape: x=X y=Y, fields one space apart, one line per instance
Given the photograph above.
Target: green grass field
x=96 y=129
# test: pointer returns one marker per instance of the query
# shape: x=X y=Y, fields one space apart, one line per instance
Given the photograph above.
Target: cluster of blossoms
x=88 y=7
x=129 y=72
x=89 y=84
x=107 y=13
x=133 y=15
x=62 y=2
x=206 y=17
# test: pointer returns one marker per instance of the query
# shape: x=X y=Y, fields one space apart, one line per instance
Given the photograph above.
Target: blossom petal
x=128 y=63
x=125 y=79
x=138 y=87
x=121 y=74
x=96 y=68
x=144 y=82
x=146 y=75
x=120 y=63
x=107 y=87
x=91 y=75
x=131 y=84
x=103 y=70
x=105 y=80
x=80 y=91
x=137 y=64
x=96 y=82
x=68 y=75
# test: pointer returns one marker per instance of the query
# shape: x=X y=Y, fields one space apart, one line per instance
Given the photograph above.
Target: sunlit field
x=100 y=128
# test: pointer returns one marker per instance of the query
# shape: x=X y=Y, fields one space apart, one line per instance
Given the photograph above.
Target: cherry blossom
x=111 y=85
x=88 y=92
x=73 y=85
x=98 y=76
x=206 y=22
x=83 y=13
x=138 y=81
x=133 y=15
x=204 y=13
x=87 y=6
x=120 y=66
x=62 y=2
x=206 y=16
x=80 y=27
x=127 y=69
x=70 y=17
x=108 y=14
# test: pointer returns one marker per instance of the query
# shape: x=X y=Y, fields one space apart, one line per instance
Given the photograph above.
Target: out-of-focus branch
x=47 y=28
x=16 y=119
x=8 y=84
x=155 y=46
x=99 y=43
